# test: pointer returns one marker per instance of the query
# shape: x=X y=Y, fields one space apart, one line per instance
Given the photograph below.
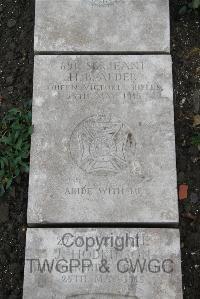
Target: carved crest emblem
x=103 y=2
x=102 y=144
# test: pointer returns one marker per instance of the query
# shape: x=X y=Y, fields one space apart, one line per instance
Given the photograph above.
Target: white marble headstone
x=103 y=143
x=102 y=263
x=102 y=25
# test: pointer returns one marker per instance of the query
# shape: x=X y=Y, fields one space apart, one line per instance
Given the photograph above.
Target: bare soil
x=16 y=71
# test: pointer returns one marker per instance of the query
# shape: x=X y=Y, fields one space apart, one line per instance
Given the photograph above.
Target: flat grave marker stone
x=103 y=143
x=102 y=25
x=102 y=263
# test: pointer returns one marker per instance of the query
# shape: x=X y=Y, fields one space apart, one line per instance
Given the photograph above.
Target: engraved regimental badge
x=104 y=2
x=102 y=145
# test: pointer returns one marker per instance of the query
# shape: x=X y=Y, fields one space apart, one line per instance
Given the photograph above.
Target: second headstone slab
x=102 y=263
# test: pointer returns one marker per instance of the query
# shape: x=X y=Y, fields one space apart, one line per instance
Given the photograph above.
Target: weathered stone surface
x=102 y=25
x=103 y=142
x=102 y=263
